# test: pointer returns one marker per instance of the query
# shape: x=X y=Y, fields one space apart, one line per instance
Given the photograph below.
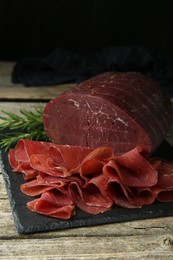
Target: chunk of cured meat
x=119 y=110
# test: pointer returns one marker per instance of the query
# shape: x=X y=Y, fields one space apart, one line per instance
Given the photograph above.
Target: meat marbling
x=120 y=110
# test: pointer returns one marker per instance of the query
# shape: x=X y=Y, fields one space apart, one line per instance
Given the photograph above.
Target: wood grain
x=32 y=93
x=10 y=91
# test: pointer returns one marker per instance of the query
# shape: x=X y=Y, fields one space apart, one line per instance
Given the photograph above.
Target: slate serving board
x=31 y=222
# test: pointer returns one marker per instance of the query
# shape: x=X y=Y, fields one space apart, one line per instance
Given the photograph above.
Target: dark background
x=35 y=28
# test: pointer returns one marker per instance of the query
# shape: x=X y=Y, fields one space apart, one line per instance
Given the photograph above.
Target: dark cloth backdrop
x=35 y=28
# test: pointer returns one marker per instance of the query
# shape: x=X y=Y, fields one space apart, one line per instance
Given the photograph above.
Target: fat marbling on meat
x=120 y=110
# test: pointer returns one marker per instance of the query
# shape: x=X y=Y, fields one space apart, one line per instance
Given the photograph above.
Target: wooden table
x=143 y=239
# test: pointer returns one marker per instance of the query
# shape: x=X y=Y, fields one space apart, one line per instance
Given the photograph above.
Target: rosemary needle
x=25 y=125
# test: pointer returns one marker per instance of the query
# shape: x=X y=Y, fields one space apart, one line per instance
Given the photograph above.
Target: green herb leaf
x=29 y=125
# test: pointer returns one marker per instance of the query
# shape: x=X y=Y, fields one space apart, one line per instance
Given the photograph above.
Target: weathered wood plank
x=10 y=91
x=32 y=93
x=6 y=70
x=90 y=247
x=15 y=107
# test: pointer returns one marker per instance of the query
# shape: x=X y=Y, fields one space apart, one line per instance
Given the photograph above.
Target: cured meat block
x=119 y=110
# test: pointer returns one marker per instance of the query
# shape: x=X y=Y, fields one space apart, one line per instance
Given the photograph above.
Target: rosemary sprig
x=28 y=125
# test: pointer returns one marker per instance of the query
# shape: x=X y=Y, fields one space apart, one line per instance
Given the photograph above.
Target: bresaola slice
x=132 y=169
x=94 y=180
x=31 y=157
x=119 y=110
x=163 y=190
x=54 y=204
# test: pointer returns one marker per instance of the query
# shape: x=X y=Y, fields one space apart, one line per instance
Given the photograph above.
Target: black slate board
x=30 y=222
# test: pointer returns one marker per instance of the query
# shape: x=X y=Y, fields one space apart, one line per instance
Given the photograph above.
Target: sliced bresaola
x=93 y=180
x=92 y=165
x=61 y=160
x=119 y=110
x=53 y=203
x=85 y=194
x=21 y=167
x=163 y=190
x=128 y=197
x=19 y=158
x=33 y=188
x=132 y=169
x=130 y=177
x=38 y=186
x=31 y=157
x=89 y=199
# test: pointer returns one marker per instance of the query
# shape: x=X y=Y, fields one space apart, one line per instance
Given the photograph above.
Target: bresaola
x=93 y=180
x=120 y=110
x=104 y=132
